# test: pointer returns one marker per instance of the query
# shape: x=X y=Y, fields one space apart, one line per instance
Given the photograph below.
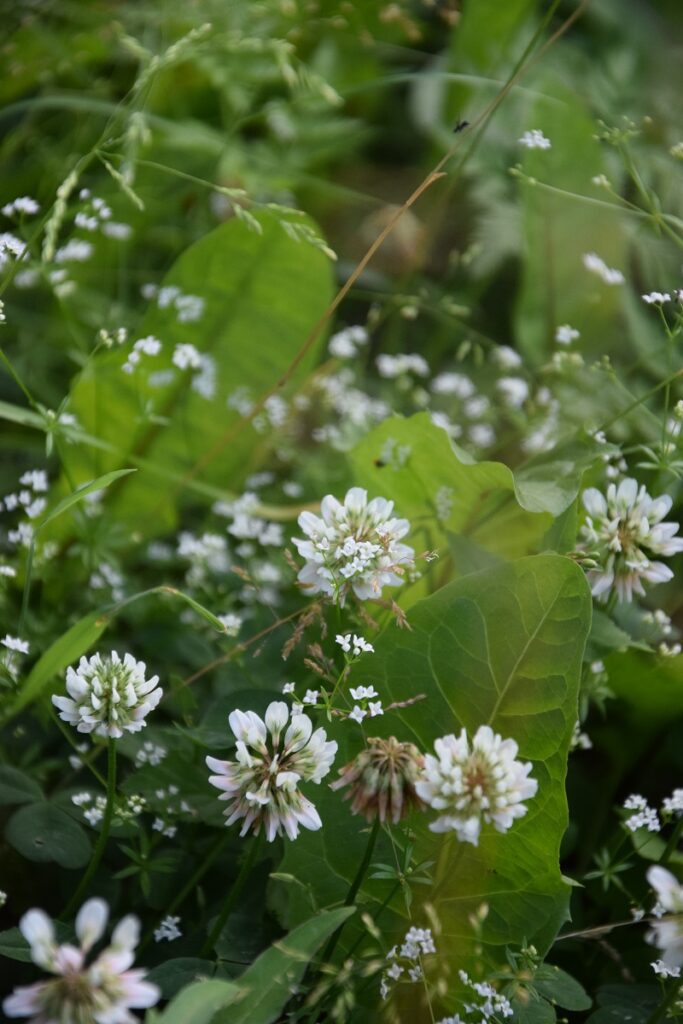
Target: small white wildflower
x=656 y=298
x=288 y=688
x=344 y=344
x=621 y=530
x=471 y=785
x=168 y=930
x=534 y=139
x=375 y=708
x=596 y=265
x=14 y=643
x=514 y=390
x=645 y=816
x=363 y=692
x=506 y=358
x=453 y=384
x=358 y=714
x=35 y=479
x=673 y=804
x=311 y=696
x=75 y=251
x=231 y=623
x=23 y=205
x=391 y=367
x=186 y=356
x=106 y=989
x=565 y=334
x=664 y=970
x=272 y=758
x=150 y=753
x=108 y=696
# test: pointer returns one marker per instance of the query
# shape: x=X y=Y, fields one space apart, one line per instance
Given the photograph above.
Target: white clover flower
x=622 y=530
x=667 y=933
x=484 y=783
x=664 y=970
x=102 y=992
x=262 y=782
x=108 y=696
x=596 y=265
x=354 y=545
x=565 y=334
x=534 y=139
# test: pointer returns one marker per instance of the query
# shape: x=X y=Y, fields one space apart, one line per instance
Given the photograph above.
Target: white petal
x=91 y=922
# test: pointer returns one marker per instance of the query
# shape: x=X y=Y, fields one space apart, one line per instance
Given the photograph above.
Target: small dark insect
x=460 y=126
x=378 y=463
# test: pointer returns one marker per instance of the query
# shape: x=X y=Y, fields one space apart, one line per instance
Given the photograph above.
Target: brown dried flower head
x=381 y=779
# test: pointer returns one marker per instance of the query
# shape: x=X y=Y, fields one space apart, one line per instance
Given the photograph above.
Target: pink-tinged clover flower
x=272 y=757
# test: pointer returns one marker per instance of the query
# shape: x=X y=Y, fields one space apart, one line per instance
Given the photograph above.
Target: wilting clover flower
x=102 y=992
x=473 y=784
x=354 y=545
x=623 y=529
x=108 y=696
x=381 y=779
x=667 y=933
x=262 y=782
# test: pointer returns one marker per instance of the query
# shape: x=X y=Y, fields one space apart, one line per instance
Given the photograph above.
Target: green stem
x=672 y=843
x=233 y=895
x=353 y=890
x=104 y=832
x=666 y=1003
x=193 y=882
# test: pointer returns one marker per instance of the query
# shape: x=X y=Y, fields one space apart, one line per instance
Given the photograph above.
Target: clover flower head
x=354 y=545
x=381 y=780
x=272 y=757
x=108 y=696
x=623 y=530
x=474 y=784
x=102 y=992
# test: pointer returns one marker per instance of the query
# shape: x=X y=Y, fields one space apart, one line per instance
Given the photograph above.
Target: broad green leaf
x=17 y=788
x=267 y=986
x=486 y=29
x=619 y=1004
x=533 y=1011
x=263 y=294
x=651 y=687
x=198 y=1003
x=447 y=495
x=560 y=988
x=64 y=651
x=42 y=832
x=82 y=492
x=503 y=647
x=14 y=946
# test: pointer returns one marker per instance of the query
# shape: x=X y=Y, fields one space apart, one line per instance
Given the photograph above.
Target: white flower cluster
x=449 y=383
x=344 y=344
x=103 y=992
x=126 y=810
x=667 y=933
x=21 y=206
x=271 y=759
x=108 y=696
x=354 y=645
x=354 y=545
x=188 y=308
x=656 y=298
x=490 y=1004
x=597 y=266
x=247 y=524
x=148 y=346
x=365 y=705
x=168 y=930
x=673 y=804
x=391 y=367
x=471 y=785
x=406 y=960
x=565 y=334
x=644 y=816
x=622 y=530
x=534 y=139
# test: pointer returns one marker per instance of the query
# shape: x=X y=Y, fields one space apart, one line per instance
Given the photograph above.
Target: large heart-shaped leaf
x=503 y=647
x=262 y=295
